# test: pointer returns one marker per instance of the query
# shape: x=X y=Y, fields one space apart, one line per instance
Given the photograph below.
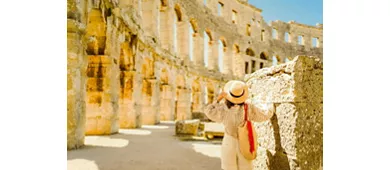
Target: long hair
x=230 y=104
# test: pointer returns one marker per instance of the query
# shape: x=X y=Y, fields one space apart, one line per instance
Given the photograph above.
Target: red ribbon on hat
x=250 y=130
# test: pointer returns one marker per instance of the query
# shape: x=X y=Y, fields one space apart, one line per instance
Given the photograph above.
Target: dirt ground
x=148 y=148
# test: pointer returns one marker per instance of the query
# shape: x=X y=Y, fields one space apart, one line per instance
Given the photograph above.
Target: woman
x=231 y=115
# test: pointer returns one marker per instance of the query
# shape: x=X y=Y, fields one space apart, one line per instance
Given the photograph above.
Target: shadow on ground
x=148 y=148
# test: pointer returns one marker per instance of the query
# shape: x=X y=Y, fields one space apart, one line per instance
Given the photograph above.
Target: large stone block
x=292 y=139
x=295 y=130
x=127 y=116
x=187 y=127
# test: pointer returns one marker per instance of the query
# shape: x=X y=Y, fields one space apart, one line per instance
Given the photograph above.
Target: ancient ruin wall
x=259 y=40
x=292 y=139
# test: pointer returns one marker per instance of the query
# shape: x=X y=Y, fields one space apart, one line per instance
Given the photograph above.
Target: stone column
x=174 y=101
x=166 y=104
x=183 y=105
x=213 y=56
x=155 y=101
x=148 y=112
x=307 y=42
x=198 y=50
x=249 y=70
x=102 y=115
x=183 y=39
x=294 y=39
x=166 y=29
x=76 y=79
x=127 y=116
x=257 y=65
x=292 y=139
x=150 y=10
x=138 y=97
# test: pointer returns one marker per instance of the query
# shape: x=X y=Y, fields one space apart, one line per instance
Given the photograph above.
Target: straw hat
x=236 y=91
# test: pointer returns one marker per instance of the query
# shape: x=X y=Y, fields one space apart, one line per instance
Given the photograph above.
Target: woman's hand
x=221 y=96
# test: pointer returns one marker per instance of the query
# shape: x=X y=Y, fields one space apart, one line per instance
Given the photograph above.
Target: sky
x=302 y=11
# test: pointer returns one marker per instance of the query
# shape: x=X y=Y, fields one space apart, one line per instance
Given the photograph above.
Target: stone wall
x=292 y=139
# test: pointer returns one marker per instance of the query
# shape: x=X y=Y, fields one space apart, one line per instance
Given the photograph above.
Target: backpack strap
x=250 y=130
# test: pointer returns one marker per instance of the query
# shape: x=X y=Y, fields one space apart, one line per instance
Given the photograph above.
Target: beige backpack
x=247 y=137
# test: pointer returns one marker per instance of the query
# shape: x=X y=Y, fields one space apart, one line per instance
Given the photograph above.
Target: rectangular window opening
x=234 y=16
x=274 y=33
x=220 y=8
x=300 y=40
x=287 y=37
x=262 y=35
x=314 y=42
x=261 y=65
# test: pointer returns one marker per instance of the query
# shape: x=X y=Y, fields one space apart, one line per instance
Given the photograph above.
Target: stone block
x=149 y=116
x=187 y=127
x=101 y=119
x=295 y=130
x=127 y=116
x=200 y=115
x=292 y=139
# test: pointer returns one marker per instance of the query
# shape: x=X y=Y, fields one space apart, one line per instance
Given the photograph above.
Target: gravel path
x=148 y=148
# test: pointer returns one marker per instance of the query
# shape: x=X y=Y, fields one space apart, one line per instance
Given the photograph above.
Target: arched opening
x=166 y=25
x=250 y=52
x=221 y=54
x=249 y=63
x=192 y=38
x=96 y=33
x=275 y=60
x=176 y=21
x=164 y=4
x=263 y=56
x=194 y=49
x=207 y=43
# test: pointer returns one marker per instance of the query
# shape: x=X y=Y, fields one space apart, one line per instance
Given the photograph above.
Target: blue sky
x=302 y=11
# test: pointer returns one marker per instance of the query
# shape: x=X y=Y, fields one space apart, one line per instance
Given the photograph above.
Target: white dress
x=231 y=158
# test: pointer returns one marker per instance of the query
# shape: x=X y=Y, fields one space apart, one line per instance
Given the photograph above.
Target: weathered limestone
x=292 y=139
x=183 y=106
x=102 y=111
x=77 y=64
x=166 y=103
x=187 y=127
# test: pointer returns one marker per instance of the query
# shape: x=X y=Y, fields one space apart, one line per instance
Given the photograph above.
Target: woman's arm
x=260 y=114
x=215 y=110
